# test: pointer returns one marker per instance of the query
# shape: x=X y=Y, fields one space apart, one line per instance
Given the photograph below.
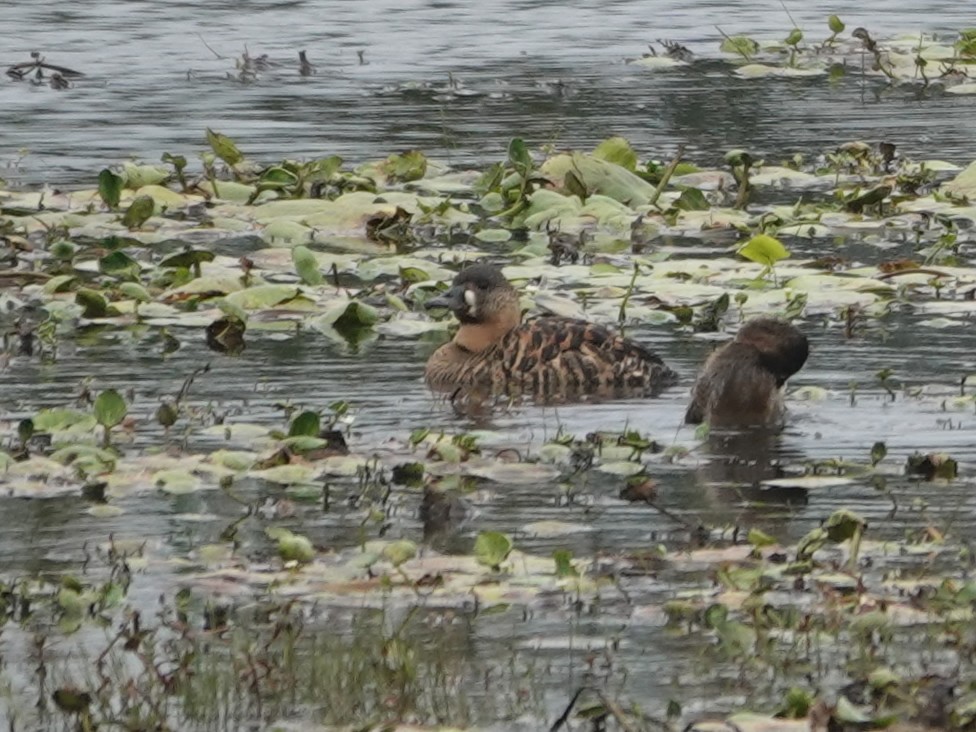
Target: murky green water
x=551 y=72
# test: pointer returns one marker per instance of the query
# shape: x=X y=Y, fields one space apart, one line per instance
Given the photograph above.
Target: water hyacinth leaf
x=307 y=424
x=137 y=176
x=306 y=265
x=564 y=563
x=110 y=186
x=25 y=430
x=835 y=24
x=188 y=258
x=691 y=199
x=574 y=186
x=741 y=45
x=262 y=297
x=135 y=291
x=119 y=264
x=93 y=303
x=491 y=548
x=409 y=166
x=398 y=552
x=759 y=538
x=843 y=525
x=109 y=408
x=795 y=36
x=356 y=315
x=764 y=249
x=519 y=157
x=617 y=150
x=224 y=148
x=293 y=547
x=232 y=309
x=139 y=212
x=277 y=177
x=176 y=482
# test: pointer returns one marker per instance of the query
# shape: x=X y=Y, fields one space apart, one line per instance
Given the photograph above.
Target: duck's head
x=783 y=349
x=479 y=294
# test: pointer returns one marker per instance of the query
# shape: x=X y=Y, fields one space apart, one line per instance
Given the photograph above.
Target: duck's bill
x=449 y=300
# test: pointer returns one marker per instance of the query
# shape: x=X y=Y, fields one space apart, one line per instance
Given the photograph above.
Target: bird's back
x=562 y=359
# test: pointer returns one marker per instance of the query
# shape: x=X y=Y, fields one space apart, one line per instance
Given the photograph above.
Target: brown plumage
x=548 y=358
x=739 y=385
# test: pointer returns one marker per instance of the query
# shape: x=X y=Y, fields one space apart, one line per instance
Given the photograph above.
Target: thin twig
x=668 y=172
x=202 y=40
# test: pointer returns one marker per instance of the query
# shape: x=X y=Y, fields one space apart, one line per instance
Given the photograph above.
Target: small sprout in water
x=110 y=409
x=765 y=250
x=491 y=548
x=878 y=452
x=884 y=376
x=166 y=414
x=564 y=563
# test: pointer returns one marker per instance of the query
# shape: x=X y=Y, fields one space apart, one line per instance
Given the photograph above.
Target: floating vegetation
x=418 y=609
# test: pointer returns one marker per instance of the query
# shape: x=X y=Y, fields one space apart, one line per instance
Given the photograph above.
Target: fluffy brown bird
x=547 y=358
x=740 y=383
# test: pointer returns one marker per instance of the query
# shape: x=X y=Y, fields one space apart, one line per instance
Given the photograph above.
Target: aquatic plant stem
x=668 y=172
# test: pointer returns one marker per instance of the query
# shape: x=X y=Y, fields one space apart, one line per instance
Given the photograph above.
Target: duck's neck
x=477 y=337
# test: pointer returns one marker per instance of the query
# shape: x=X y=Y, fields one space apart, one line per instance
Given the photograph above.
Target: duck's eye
x=471 y=298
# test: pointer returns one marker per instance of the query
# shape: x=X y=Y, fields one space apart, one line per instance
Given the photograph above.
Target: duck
x=740 y=384
x=547 y=358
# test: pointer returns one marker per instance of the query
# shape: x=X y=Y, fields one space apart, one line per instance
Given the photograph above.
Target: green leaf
x=294 y=547
x=306 y=265
x=843 y=525
x=564 y=563
x=398 y=552
x=224 y=148
x=277 y=177
x=519 y=157
x=139 y=212
x=135 y=291
x=411 y=165
x=94 y=303
x=575 y=186
x=177 y=161
x=110 y=187
x=25 y=430
x=119 y=264
x=491 y=548
x=742 y=45
x=110 y=408
x=795 y=36
x=835 y=24
x=764 y=249
x=617 y=150
x=307 y=423
x=878 y=452
x=187 y=258
x=758 y=538
x=691 y=199
x=137 y=176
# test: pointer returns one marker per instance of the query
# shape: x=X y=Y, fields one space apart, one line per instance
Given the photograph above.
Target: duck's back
x=560 y=358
